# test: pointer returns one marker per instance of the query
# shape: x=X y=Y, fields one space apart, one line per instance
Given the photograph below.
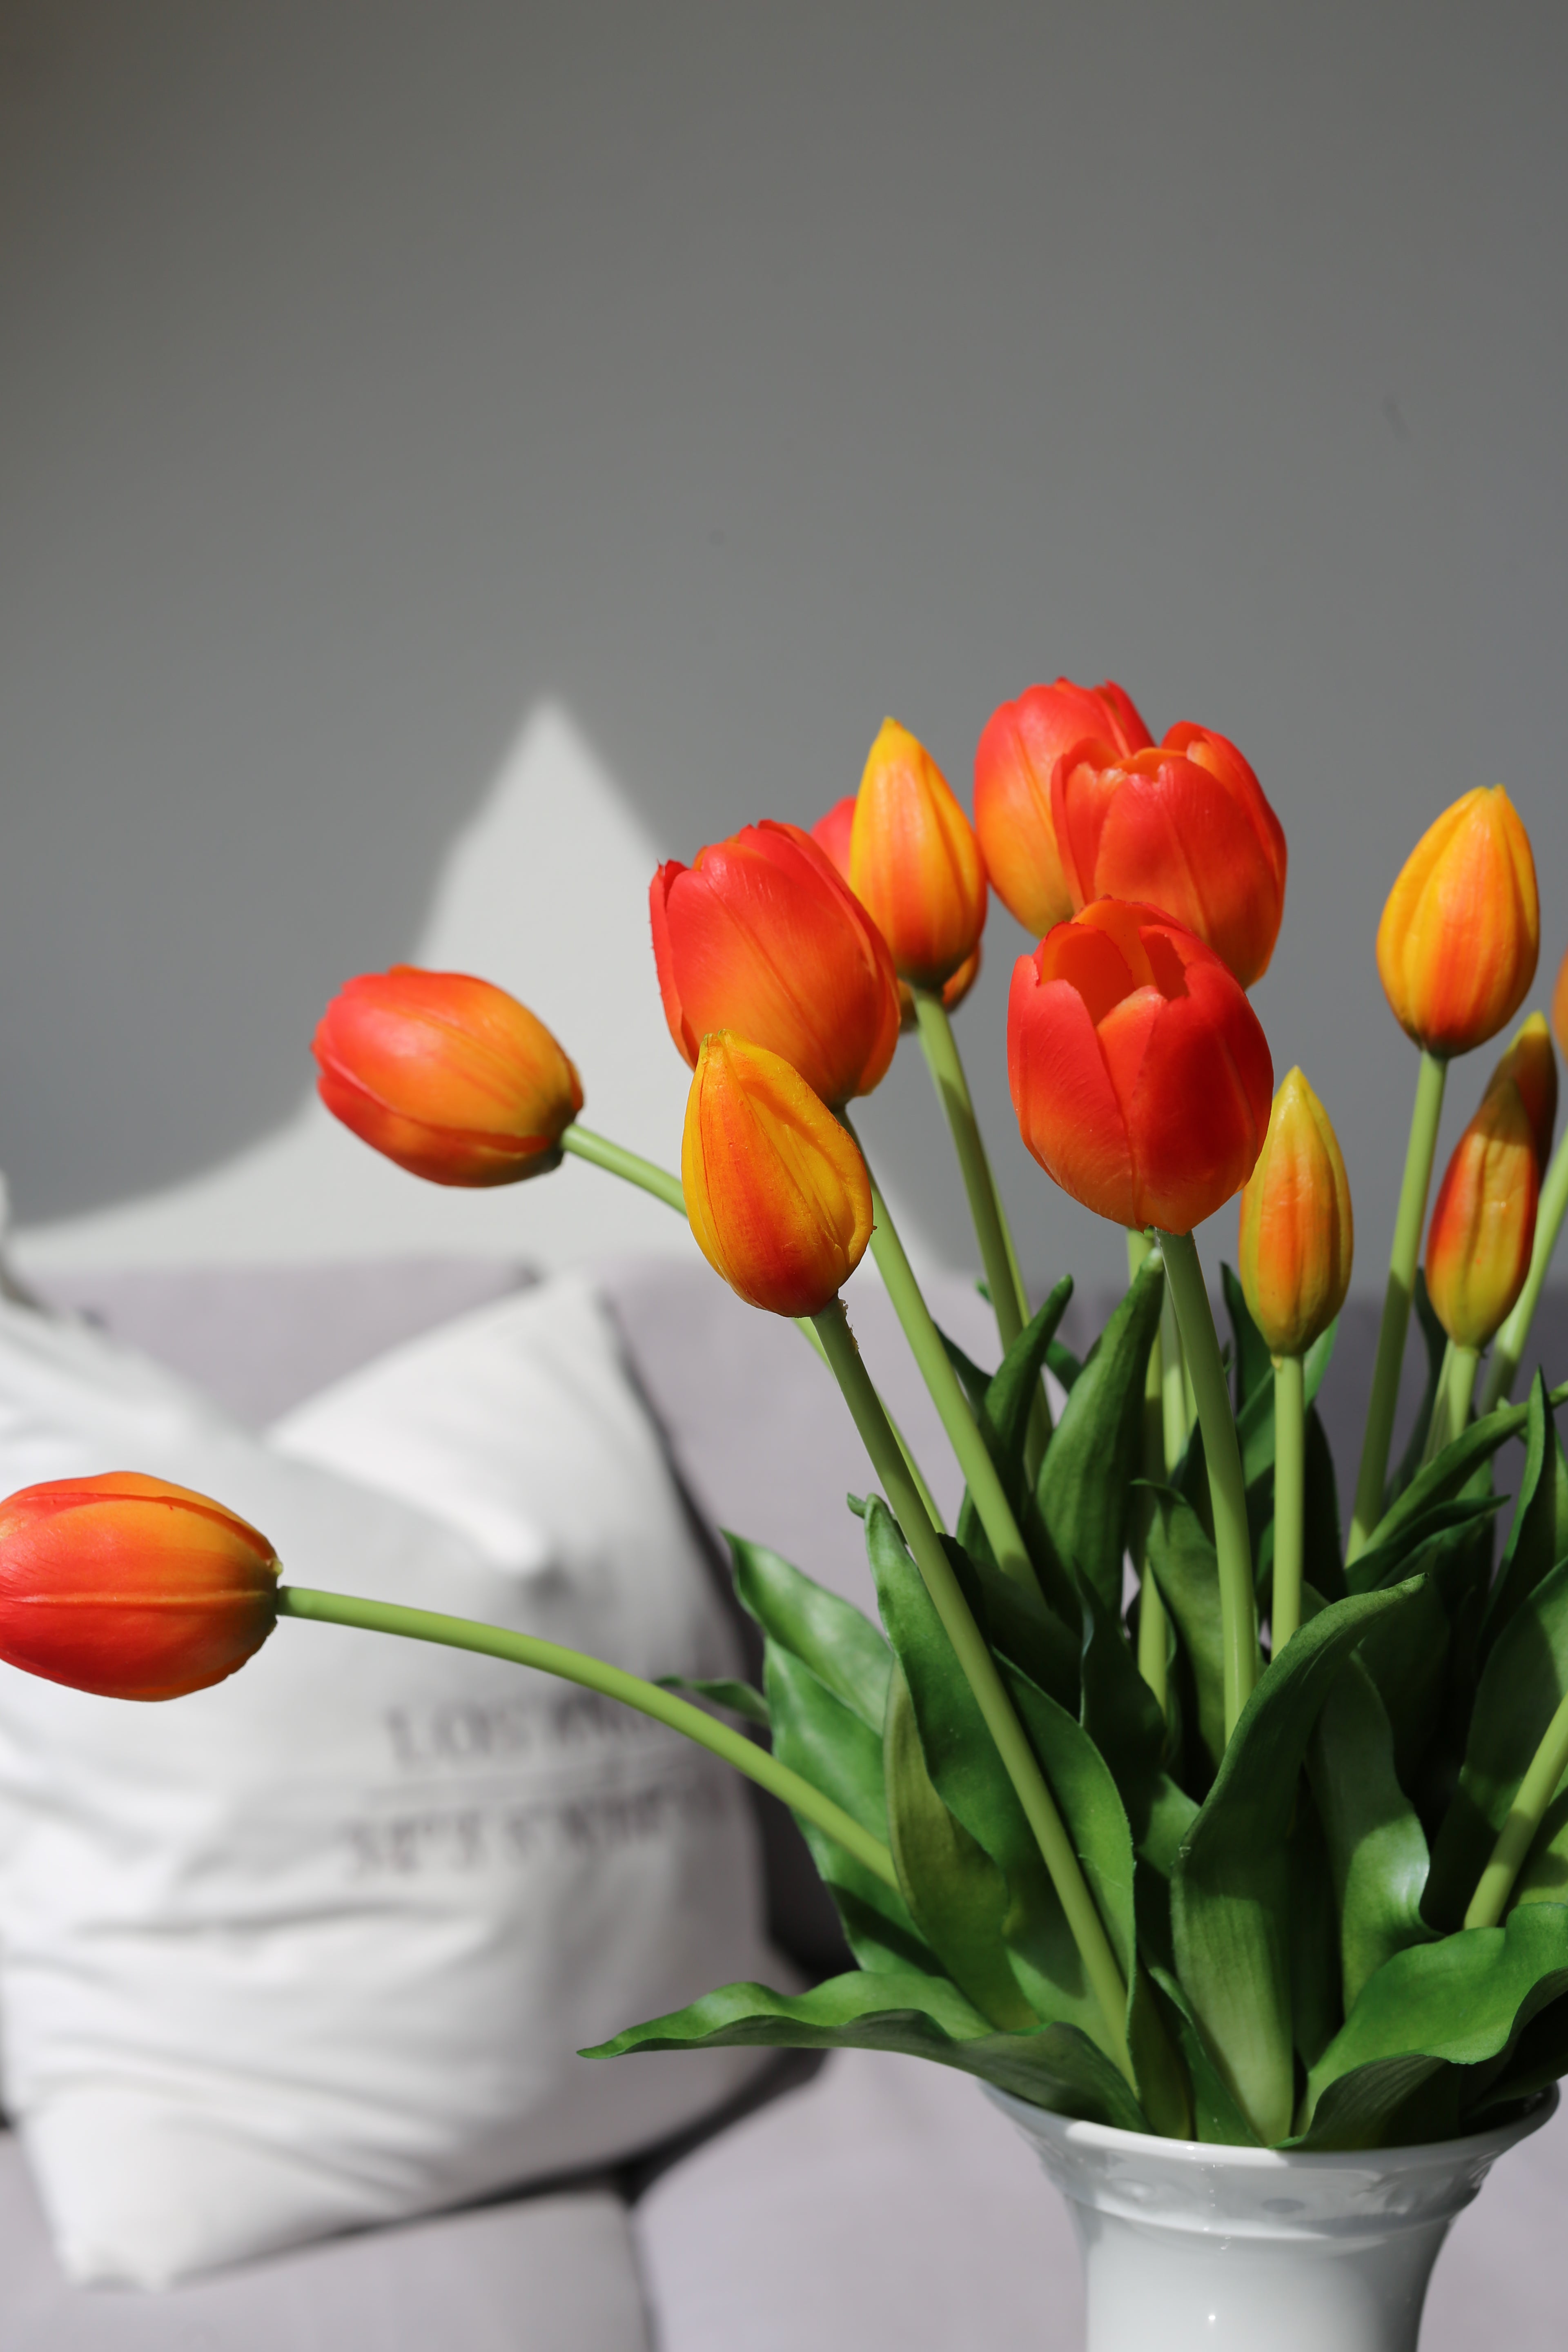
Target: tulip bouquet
x=1154 y=1799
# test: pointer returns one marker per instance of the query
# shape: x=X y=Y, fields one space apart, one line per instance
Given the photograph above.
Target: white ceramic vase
x=1189 y=2246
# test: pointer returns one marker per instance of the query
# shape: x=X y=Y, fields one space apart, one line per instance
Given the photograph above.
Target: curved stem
x=666 y=1187
x=1507 y=1348
x=1419 y=1154
x=941 y=1049
x=1227 y=1490
x=1289 y=1497
x=980 y=1671
x=592 y=1673
x=1525 y=1815
x=980 y=1472
x=1153 y=1662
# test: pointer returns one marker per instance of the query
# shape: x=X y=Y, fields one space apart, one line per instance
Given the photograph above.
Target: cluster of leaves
x=1286 y=1910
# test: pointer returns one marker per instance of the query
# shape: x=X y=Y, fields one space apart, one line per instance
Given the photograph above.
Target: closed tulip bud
x=763 y=936
x=1478 y=1244
x=131 y=1588
x=914 y=862
x=776 y=1191
x=832 y=834
x=449 y=1077
x=1298 y=1236
x=1184 y=827
x=1559 y=1006
x=1531 y=1064
x=1457 y=944
x=1139 y=1073
x=1021 y=744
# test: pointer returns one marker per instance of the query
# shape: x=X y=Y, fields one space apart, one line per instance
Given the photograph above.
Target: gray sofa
x=862 y=2203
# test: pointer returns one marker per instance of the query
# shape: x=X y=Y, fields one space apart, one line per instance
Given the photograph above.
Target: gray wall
x=733 y=375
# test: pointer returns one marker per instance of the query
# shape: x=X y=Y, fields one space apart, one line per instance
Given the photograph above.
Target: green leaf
x=1376 y=1847
x=1389 y=1562
x=1453 y=1469
x=1254 y=1363
x=923 y=2016
x=737 y=1697
x=1437 y=1340
x=1462 y=2001
x=1317 y=2012
x=1181 y=1556
x=1322 y=1548
x=1061 y=1360
x=1521 y=1686
x=1121 y=1716
x=956 y=1895
x=1216 y=2116
x=1020 y=1621
x=1010 y=1396
x=1538 y=1539
x=1230 y=1890
x=843 y=1648
x=1084 y=1489
x=970 y=1378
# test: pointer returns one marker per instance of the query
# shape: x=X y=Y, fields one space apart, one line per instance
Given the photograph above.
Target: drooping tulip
x=1461 y=933
x=1140 y=1074
x=832 y=834
x=1530 y=1062
x=1020 y=744
x=763 y=936
x=447 y=1076
x=1297 y=1232
x=1186 y=828
x=131 y=1588
x=776 y=1191
x=914 y=862
x=1478 y=1243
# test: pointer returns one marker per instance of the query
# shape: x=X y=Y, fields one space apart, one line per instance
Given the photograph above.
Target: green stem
x=1419 y=1154
x=666 y=1187
x=1525 y=1815
x=592 y=1673
x=1451 y=1405
x=980 y=1474
x=1153 y=1643
x=1507 y=1348
x=1227 y=1490
x=808 y=1332
x=1289 y=1497
x=941 y=1049
x=980 y=1671
x=1175 y=1413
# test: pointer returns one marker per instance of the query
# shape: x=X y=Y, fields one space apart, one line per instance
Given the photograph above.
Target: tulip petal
x=1069 y=1111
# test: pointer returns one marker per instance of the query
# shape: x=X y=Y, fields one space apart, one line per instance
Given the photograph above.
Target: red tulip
x=450 y=1077
x=764 y=937
x=1458 y=943
x=832 y=835
x=1186 y=828
x=914 y=862
x=1139 y=1073
x=776 y=1191
x=1021 y=744
x=1483 y=1227
x=131 y=1588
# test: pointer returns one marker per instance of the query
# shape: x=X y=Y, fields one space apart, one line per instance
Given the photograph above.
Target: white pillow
x=317 y=1947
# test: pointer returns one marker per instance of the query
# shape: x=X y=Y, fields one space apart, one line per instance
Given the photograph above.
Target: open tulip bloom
x=1152 y=1798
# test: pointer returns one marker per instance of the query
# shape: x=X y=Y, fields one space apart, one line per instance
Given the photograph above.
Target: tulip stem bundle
x=664 y=1706
x=1289 y=1497
x=1227 y=1489
x=1507 y=1348
x=1420 y=1152
x=981 y=1671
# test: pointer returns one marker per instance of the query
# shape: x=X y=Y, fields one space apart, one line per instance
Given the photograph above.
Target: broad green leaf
x=1462 y=2001
x=1538 y=1539
x=923 y=2016
x=963 y=1761
x=1081 y=1781
x=1317 y=2012
x=1436 y=1342
x=1409 y=1664
x=1389 y=1563
x=1216 y=2116
x=1181 y=1556
x=972 y=1379
x=1538 y=2058
x=1021 y=1622
x=1250 y=1354
x=956 y=1895
x=1230 y=1891
x=1010 y=1396
x=843 y=1648
x=1521 y=1684
x=1452 y=1470
x=1376 y=1847
x=1061 y=1360
x=831 y=1747
x=736 y=1698
x=1122 y=1716
x=1084 y=1486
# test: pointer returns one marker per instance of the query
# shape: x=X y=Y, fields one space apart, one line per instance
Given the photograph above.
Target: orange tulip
x=764 y=937
x=1483 y=1227
x=1139 y=1073
x=1530 y=1062
x=450 y=1077
x=1186 y=828
x=832 y=835
x=1559 y=1006
x=776 y=1191
x=131 y=1588
x=914 y=862
x=1457 y=944
x=1298 y=1236
x=1020 y=745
